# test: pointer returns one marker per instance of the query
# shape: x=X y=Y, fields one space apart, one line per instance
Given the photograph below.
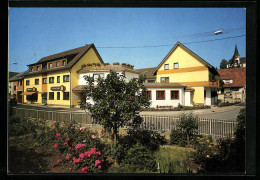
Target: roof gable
x=178 y=44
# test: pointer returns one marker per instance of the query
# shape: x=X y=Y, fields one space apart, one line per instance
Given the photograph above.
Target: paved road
x=226 y=113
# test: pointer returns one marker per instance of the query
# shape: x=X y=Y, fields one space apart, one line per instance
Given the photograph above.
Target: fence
x=213 y=127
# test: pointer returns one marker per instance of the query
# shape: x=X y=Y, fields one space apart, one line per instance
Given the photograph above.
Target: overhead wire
x=171 y=44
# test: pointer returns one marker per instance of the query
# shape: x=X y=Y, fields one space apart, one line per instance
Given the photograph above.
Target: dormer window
x=63 y=63
x=50 y=65
x=38 y=68
x=228 y=81
x=166 y=67
x=31 y=69
x=58 y=64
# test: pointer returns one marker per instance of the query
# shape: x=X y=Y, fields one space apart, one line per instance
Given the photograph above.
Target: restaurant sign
x=31 y=89
x=228 y=94
x=58 y=88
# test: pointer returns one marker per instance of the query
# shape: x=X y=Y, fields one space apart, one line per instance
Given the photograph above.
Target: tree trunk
x=115 y=134
x=188 y=140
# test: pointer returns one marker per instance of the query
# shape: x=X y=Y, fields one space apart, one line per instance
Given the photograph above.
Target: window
x=160 y=95
x=36 y=81
x=51 y=80
x=66 y=95
x=148 y=95
x=50 y=65
x=164 y=79
x=66 y=78
x=166 y=66
x=51 y=95
x=176 y=65
x=150 y=81
x=228 y=81
x=174 y=95
x=44 y=80
x=63 y=63
x=58 y=79
x=38 y=68
x=58 y=64
x=20 y=83
x=58 y=95
x=27 y=82
x=31 y=69
x=14 y=87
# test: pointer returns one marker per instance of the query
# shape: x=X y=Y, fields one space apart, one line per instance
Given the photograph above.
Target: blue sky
x=38 y=32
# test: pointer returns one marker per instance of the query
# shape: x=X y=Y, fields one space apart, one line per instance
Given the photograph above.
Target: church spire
x=236 y=54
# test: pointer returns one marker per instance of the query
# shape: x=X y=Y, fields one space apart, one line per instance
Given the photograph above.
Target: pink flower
x=82 y=155
x=67 y=139
x=93 y=137
x=54 y=164
x=65 y=143
x=97 y=162
x=66 y=133
x=57 y=134
x=98 y=153
x=84 y=169
x=102 y=160
x=68 y=157
x=80 y=146
x=84 y=141
x=93 y=149
x=54 y=140
x=50 y=129
x=55 y=145
x=58 y=161
x=82 y=128
x=76 y=160
x=99 y=167
x=55 y=123
x=99 y=136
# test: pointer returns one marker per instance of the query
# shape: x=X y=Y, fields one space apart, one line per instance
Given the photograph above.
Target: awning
x=28 y=93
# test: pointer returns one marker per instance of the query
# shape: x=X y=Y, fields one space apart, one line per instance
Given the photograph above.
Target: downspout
x=70 y=89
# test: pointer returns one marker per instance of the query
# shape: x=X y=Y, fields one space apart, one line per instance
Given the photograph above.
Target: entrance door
x=44 y=98
x=19 y=97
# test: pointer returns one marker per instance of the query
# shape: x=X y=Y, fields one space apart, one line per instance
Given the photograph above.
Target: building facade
x=236 y=61
x=183 y=66
x=233 y=85
x=51 y=79
x=16 y=87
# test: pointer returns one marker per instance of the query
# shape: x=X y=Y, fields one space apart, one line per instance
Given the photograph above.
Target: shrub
x=188 y=122
x=141 y=157
x=19 y=126
x=177 y=137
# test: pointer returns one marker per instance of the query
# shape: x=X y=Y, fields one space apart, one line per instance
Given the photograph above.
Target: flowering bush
x=78 y=147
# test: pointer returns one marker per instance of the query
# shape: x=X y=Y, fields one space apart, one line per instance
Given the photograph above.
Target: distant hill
x=11 y=74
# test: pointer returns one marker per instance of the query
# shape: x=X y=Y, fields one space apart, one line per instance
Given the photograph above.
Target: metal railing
x=213 y=127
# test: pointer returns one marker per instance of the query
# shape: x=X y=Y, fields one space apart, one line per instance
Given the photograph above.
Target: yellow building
x=51 y=79
x=181 y=65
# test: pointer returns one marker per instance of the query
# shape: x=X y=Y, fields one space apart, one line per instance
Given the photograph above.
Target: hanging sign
x=31 y=89
x=58 y=88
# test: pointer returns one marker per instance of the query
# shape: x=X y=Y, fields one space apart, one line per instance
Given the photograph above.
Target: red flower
x=99 y=167
x=68 y=139
x=76 y=160
x=84 y=169
x=68 y=157
x=50 y=129
x=65 y=143
x=54 y=164
x=55 y=145
x=97 y=162
x=82 y=155
x=57 y=134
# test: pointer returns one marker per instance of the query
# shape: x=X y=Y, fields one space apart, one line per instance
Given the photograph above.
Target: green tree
x=188 y=122
x=116 y=102
x=223 y=64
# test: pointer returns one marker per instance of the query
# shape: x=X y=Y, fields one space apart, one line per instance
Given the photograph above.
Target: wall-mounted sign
x=31 y=89
x=227 y=94
x=58 y=88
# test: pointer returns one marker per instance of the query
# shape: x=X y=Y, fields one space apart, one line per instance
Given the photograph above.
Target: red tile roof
x=238 y=75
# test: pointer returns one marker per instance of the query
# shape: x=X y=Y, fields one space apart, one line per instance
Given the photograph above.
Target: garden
x=56 y=147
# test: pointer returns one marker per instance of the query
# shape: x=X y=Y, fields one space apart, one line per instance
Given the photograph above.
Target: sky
x=138 y=36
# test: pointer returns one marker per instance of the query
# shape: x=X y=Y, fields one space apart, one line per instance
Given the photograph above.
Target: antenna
x=15 y=62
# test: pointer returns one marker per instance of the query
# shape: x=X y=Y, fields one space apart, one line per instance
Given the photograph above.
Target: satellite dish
x=218 y=32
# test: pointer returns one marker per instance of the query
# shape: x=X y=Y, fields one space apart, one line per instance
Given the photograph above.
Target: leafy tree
x=188 y=122
x=116 y=102
x=223 y=64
